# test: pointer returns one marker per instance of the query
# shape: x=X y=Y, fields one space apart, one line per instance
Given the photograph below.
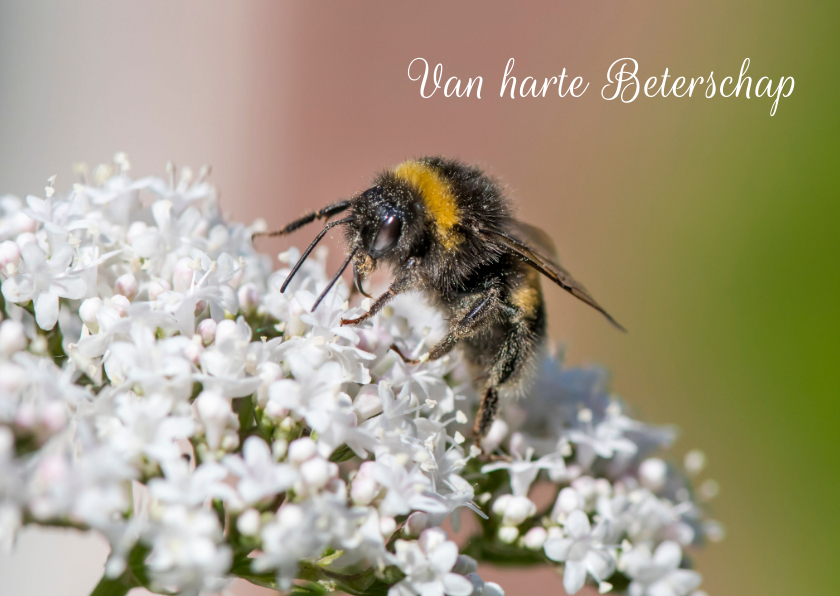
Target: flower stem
x=111 y=587
x=134 y=576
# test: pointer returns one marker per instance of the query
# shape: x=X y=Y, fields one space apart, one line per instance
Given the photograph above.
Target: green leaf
x=309 y=589
x=504 y=555
x=342 y=454
x=133 y=577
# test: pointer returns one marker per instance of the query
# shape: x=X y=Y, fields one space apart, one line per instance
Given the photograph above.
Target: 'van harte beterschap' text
x=623 y=84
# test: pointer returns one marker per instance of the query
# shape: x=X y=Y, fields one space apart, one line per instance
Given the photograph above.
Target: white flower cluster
x=157 y=387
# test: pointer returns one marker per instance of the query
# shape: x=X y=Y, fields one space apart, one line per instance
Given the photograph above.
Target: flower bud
x=121 y=304
x=508 y=534
x=279 y=449
x=290 y=515
x=268 y=372
x=301 y=450
x=207 y=331
x=248 y=523
x=416 y=523
x=316 y=472
x=22 y=223
x=387 y=525
x=500 y=504
x=465 y=564
x=54 y=416
x=25 y=238
x=193 y=350
x=249 y=297
x=477 y=583
x=135 y=230
x=225 y=330
x=275 y=411
x=709 y=489
x=585 y=485
x=230 y=441
x=9 y=257
x=367 y=402
x=295 y=327
x=12 y=337
x=518 y=444
x=126 y=285
x=158 y=287
x=88 y=311
x=518 y=509
x=364 y=490
x=497 y=433
x=653 y=472
x=12 y=378
x=695 y=461
x=568 y=500
x=535 y=538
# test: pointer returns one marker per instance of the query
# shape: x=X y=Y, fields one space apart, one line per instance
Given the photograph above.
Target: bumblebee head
x=386 y=225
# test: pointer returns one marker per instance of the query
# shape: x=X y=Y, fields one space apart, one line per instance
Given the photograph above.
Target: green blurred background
x=709 y=228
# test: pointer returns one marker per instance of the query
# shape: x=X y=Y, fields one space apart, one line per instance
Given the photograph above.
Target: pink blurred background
x=298 y=104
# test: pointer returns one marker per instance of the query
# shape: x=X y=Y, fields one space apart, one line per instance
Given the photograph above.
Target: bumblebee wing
x=535 y=238
x=545 y=265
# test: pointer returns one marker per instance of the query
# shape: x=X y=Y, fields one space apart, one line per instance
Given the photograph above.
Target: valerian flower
x=428 y=565
x=157 y=387
x=44 y=281
x=659 y=573
x=583 y=551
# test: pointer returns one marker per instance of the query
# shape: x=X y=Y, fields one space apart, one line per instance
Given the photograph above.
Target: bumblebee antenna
x=325 y=213
x=309 y=249
x=335 y=278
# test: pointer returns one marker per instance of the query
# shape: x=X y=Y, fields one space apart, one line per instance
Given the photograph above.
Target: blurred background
x=707 y=227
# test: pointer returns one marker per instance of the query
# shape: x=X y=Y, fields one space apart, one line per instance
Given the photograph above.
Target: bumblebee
x=446 y=229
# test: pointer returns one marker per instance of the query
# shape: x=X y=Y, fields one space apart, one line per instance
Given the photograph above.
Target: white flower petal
x=20 y=288
x=71 y=287
x=457 y=585
x=668 y=555
x=46 y=309
x=444 y=556
x=61 y=258
x=600 y=564
x=577 y=524
x=574 y=576
x=557 y=549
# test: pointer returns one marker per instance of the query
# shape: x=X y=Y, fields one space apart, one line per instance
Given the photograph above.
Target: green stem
x=134 y=576
x=111 y=587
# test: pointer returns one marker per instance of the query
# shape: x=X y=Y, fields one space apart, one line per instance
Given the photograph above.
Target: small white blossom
x=658 y=574
x=428 y=565
x=157 y=387
x=44 y=281
x=582 y=550
x=259 y=476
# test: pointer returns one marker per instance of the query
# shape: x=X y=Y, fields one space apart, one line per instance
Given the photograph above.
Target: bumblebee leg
x=509 y=365
x=480 y=313
x=325 y=213
x=403 y=356
x=400 y=285
x=374 y=308
x=487 y=410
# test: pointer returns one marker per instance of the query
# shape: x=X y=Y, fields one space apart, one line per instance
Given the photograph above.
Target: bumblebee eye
x=387 y=236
